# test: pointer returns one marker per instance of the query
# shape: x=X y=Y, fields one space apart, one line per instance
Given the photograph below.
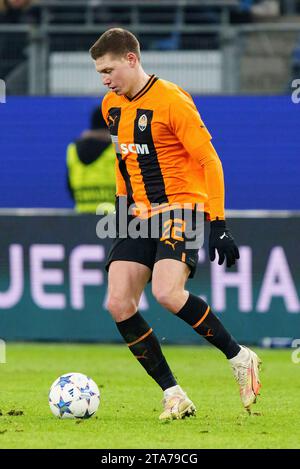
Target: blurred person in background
x=260 y=9
x=248 y=11
x=265 y=9
x=91 y=168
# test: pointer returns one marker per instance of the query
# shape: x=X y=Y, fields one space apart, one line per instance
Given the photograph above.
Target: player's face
x=117 y=72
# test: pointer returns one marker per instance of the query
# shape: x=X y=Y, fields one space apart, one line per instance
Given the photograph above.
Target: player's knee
x=166 y=296
x=121 y=309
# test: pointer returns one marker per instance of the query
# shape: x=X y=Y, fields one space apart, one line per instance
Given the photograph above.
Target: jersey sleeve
x=214 y=180
x=186 y=123
x=190 y=130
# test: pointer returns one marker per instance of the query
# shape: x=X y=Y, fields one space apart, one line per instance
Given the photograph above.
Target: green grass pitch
x=131 y=401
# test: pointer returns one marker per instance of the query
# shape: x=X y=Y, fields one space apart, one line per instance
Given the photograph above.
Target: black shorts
x=170 y=241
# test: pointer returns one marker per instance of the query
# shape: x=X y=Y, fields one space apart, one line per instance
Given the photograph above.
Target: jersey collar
x=144 y=90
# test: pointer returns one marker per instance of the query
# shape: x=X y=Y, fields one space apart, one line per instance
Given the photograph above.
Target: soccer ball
x=74 y=395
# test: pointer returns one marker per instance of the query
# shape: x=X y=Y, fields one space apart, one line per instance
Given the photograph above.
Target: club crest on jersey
x=142 y=122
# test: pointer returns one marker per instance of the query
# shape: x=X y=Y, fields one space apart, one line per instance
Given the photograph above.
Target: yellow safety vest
x=95 y=183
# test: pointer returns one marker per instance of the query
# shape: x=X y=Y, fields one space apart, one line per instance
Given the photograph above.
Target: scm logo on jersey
x=139 y=148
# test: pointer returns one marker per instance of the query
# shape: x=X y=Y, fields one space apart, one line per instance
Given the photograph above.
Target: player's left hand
x=220 y=239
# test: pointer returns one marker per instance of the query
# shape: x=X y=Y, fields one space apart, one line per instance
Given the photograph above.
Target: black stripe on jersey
x=148 y=163
x=126 y=177
x=145 y=88
x=114 y=116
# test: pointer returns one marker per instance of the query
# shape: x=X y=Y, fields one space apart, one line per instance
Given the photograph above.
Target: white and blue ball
x=74 y=395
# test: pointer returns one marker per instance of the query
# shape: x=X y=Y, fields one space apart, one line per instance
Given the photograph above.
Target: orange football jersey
x=163 y=149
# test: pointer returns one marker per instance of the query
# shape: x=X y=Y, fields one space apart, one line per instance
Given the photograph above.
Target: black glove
x=221 y=239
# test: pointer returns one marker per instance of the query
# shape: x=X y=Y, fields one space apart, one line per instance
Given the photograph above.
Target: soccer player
x=165 y=158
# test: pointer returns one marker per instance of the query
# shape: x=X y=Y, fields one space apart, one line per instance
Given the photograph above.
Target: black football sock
x=145 y=347
x=199 y=315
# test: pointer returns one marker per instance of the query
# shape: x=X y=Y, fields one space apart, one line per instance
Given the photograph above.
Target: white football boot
x=176 y=405
x=245 y=368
